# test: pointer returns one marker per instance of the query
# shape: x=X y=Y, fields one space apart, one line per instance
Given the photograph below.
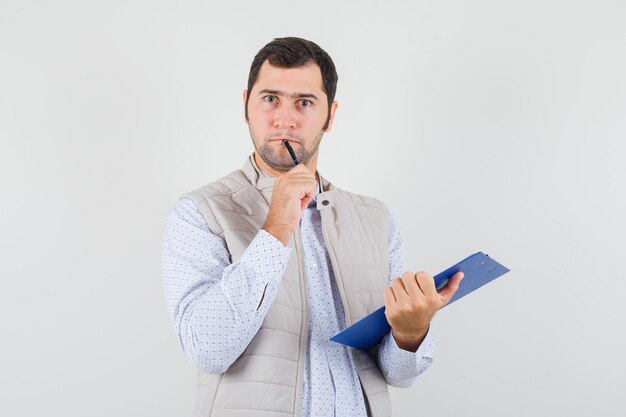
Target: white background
x=485 y=125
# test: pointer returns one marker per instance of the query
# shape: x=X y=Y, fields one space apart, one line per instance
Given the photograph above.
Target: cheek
x=260 y=117
x=261 y=126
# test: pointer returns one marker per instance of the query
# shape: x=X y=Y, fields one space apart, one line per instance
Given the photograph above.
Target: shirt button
x=325 y=202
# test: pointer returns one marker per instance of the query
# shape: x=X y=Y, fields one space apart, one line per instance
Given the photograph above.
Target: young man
x=263 y=266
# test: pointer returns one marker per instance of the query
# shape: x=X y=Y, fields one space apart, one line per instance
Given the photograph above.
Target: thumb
x=308 y=196
x=305 y=202
x=451 y=287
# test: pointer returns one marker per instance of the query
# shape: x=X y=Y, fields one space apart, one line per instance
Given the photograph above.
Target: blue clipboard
x=479 y=269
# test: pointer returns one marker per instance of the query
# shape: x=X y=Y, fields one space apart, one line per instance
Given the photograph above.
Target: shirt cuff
x=425 y=350
x=401 y=367
x=266 y=246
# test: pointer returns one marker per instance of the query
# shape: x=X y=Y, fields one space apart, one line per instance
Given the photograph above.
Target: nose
x=284 y=118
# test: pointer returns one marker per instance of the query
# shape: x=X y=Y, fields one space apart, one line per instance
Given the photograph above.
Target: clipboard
x=479 y=269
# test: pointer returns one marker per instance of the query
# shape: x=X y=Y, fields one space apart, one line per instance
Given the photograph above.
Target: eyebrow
x=283 y=94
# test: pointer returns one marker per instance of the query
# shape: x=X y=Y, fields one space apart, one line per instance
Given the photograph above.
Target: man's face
x=288 y=103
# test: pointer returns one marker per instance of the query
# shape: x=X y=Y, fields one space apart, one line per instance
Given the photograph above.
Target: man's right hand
x=293 y=191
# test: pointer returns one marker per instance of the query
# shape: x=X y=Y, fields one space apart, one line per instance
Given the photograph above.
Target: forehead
x=306 y=79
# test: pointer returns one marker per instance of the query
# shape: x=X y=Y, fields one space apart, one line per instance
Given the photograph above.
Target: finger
x=300 y=169
x=303 y=182
x=451 y=287
x=301 y=187
x=309 y=194
x=399 y=290
x=312 y=189
x=300 y=183
x=410 y=284
x=304 y=203
x=390 y=303
x=426 y=283
x=390 y=298
x=302 y=175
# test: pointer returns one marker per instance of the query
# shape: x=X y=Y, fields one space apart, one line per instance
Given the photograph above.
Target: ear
x=245 y=97
x=331 y=119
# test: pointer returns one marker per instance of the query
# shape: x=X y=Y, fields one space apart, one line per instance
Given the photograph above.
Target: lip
x=283 y=139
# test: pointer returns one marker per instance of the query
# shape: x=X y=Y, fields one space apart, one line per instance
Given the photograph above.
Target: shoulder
x=227 y=185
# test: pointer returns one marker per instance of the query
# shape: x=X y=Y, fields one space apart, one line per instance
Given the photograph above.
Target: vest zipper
x=304 y=324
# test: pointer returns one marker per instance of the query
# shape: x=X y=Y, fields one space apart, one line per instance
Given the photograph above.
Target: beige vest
x=266 y=380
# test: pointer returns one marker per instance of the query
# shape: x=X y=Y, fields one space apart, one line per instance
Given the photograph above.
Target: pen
x=291 y=152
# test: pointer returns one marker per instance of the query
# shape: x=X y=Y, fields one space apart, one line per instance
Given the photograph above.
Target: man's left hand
x=410 y=304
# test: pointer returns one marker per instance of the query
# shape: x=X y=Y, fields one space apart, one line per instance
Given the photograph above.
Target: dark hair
x=292 y=53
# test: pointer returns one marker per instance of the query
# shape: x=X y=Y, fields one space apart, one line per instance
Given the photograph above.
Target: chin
x=275 y=162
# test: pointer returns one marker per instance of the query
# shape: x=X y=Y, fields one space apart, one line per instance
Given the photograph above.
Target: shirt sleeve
x=401 y=367
x=216 y=306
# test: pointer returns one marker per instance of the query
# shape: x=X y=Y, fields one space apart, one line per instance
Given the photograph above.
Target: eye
x=305 y=103
x=270 y=99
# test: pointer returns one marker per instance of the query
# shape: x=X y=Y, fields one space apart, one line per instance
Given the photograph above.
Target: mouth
x=281 y=140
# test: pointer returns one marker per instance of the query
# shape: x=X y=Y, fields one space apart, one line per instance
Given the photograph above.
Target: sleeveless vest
x=266 y=380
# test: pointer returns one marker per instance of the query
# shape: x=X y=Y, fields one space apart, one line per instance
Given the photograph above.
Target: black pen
x=291 y=152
